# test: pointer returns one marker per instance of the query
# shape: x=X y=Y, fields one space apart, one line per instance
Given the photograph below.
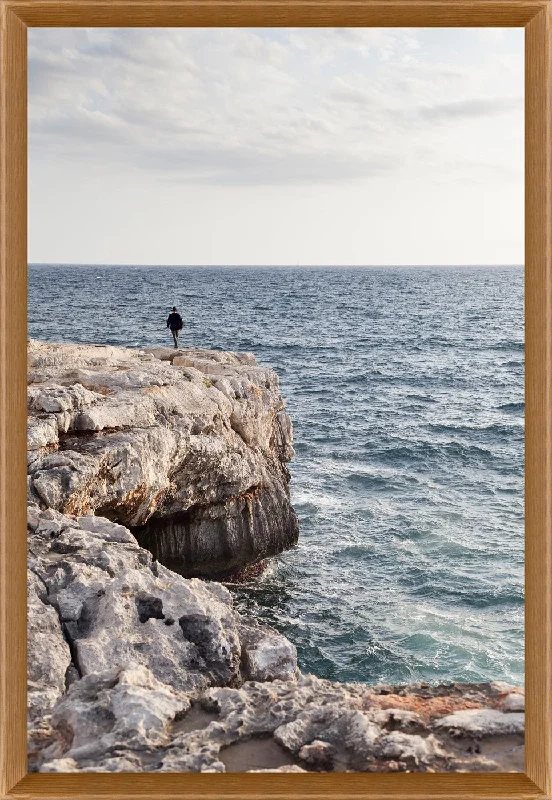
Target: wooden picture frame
x=536 y=17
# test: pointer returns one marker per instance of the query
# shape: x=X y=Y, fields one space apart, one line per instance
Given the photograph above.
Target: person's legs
x=175 y=337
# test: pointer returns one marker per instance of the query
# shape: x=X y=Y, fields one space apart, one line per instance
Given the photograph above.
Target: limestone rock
x=266 y=654
x=101 y=610
x=351 y=731
x=285 y=768
x=482 y=722
x=410 y=748
x=103 y=715
x=513 y=702
x=188 y=448
x=319 y=754
x=48 y=656
x=119 y=607
x=127 y=719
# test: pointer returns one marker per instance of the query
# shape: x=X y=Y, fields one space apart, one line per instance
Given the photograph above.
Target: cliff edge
x=187 y=448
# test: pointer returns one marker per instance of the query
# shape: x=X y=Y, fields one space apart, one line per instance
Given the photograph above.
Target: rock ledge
x=187 y=448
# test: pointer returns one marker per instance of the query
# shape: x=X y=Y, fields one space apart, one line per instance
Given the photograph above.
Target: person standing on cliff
x=174 y=322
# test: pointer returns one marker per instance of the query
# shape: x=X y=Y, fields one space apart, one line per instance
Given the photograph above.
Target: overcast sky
x=276 y=146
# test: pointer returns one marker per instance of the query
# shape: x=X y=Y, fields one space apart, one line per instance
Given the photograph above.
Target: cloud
x=241 y=166
x=471 y=108
x=251 y=107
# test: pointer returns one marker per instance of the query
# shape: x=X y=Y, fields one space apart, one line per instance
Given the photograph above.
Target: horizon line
x=259 y=266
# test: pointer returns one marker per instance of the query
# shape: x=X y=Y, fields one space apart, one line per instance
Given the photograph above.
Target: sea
x=405 y=387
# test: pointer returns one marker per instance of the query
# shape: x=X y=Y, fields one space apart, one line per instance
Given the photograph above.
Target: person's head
x=174 y=309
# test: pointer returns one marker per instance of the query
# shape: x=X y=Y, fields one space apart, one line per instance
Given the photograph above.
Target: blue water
x=405 y=386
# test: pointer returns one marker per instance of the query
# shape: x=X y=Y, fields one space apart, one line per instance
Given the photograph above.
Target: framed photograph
x=276 y=399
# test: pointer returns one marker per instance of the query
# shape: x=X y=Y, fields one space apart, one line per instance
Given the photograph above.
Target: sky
x=348 y=146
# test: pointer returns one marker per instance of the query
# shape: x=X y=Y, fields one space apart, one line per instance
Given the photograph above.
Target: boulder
x=482 y=723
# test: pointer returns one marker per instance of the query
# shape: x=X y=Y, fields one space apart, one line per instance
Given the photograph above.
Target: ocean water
x=405 y=386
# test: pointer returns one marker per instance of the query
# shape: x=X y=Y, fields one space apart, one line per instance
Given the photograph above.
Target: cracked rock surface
x=188 y=448
x=133 y=667
x=120 y=644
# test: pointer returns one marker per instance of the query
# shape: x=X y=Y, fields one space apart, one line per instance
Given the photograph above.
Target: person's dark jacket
x=174 y=322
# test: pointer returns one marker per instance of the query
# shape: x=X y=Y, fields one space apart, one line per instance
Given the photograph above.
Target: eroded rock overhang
x=187 y=448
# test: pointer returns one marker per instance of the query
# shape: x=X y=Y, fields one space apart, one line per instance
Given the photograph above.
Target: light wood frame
x=535 y=16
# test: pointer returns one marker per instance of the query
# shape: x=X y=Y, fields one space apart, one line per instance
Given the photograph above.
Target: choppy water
x=405 y=386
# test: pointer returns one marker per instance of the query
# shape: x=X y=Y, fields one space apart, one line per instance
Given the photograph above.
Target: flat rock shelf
x=151 y=473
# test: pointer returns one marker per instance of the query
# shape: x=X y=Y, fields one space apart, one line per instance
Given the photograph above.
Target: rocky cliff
x=186 y=448
x=133 y=667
